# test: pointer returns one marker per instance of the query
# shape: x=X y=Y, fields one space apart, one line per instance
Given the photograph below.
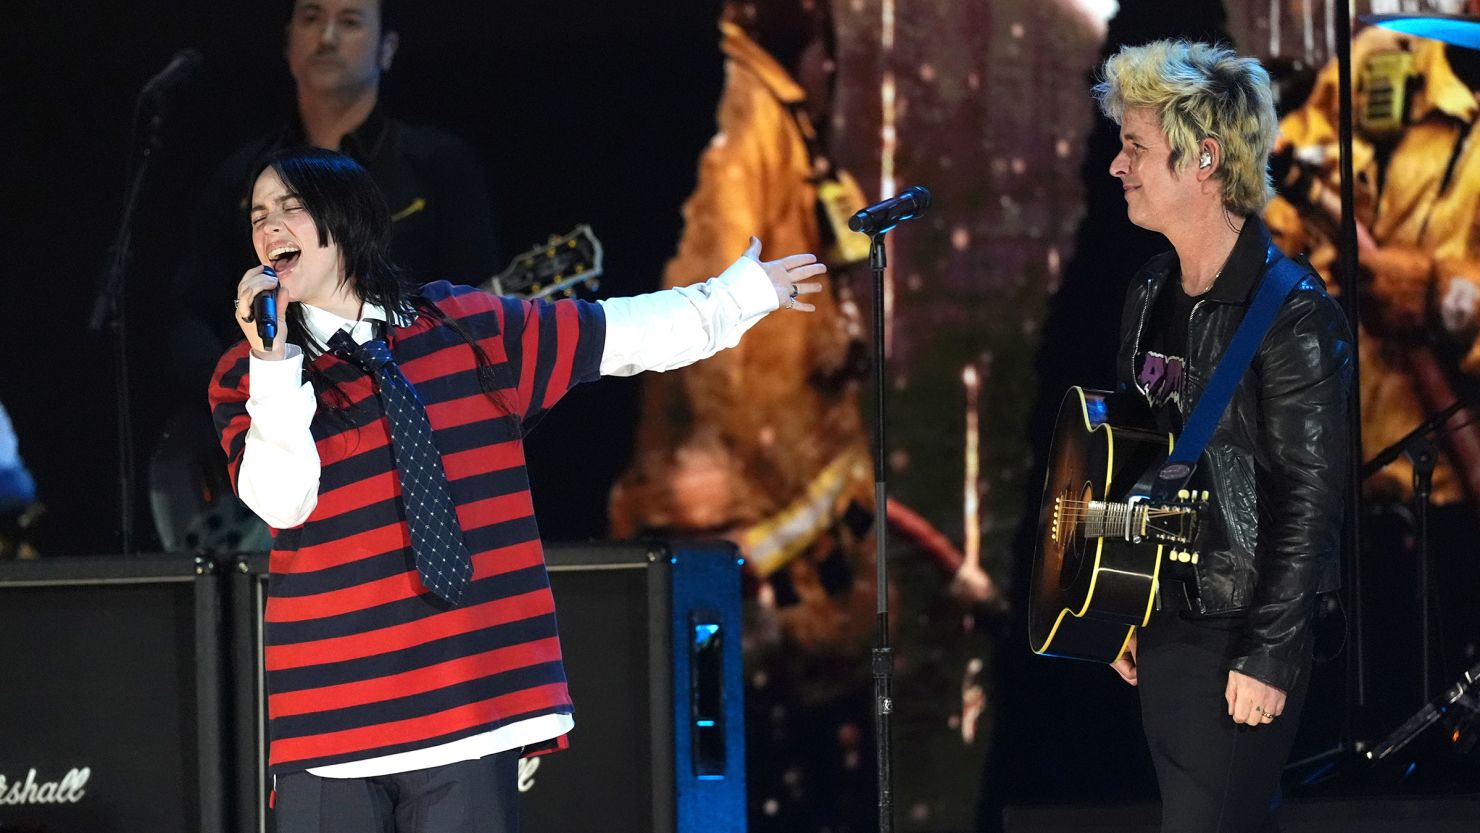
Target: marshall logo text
x=69 y=790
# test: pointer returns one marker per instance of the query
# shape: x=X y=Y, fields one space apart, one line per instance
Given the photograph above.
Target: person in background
x=337 y=52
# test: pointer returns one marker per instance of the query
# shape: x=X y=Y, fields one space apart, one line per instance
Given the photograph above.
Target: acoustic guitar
x=1101 y=547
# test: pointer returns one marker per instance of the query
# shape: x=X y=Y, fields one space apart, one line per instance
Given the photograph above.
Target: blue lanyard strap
x=1279 y=279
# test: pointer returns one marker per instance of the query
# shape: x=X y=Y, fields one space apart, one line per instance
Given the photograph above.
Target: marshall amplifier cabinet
x=651 y=637
x=110 y=708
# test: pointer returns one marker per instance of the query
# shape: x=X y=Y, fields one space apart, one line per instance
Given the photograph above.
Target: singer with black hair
x=411 y=648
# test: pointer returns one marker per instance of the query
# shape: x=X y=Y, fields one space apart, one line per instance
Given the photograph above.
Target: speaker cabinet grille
x=111 y=698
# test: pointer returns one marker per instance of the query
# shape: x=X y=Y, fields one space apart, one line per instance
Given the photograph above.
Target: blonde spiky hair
x=1199 y=91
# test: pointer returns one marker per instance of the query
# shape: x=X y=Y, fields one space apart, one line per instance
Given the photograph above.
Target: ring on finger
x=794 y=292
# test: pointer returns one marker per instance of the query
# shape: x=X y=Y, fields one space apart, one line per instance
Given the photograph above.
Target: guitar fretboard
x=1105 y=520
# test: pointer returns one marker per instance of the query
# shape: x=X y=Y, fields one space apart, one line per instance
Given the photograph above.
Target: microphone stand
x=1352 y=568
x=883 y=654
x=1418 y=445
x=109 y=311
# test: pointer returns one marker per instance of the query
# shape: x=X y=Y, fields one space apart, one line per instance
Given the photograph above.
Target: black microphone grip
x=264 y=310
x=886 y=214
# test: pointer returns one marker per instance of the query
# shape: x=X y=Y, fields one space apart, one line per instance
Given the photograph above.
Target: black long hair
x=349 y=210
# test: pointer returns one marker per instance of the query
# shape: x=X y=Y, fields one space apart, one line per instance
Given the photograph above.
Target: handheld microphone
x=181 y=68
x=264 y=310
x=883 y=216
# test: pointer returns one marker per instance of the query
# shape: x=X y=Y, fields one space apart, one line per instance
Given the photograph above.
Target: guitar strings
x=1110 y=516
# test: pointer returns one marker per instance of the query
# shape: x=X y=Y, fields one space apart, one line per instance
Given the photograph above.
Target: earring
x=1206 y=160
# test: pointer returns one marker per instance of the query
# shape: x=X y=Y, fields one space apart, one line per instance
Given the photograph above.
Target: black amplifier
x=110 y=709
x=651 y=638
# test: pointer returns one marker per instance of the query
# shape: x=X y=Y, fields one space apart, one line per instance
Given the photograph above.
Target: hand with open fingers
x=256 y=280
x=1252 y=702
x=1125 y=665
x=787 y=274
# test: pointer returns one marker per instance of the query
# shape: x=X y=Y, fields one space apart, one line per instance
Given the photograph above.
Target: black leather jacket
x=1277 y=462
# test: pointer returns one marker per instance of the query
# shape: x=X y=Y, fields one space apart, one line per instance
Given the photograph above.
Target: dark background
x=582 y=112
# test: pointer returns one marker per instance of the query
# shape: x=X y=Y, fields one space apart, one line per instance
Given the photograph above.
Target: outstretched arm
x=675 y=327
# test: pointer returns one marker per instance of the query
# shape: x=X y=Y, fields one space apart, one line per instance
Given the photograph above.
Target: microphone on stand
x=885 y=215
x=264 y=309
x=180 y=69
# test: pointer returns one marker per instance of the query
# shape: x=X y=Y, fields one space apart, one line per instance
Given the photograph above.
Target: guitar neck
x=586 y=280
x=1129 y=521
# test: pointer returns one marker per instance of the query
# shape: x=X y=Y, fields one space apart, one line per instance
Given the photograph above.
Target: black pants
x=468 y=797
x=1216 y=776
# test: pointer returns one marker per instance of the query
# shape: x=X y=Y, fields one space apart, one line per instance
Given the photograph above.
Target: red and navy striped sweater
x=361 y=661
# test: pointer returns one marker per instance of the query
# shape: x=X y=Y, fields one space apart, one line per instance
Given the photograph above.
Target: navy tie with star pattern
x=436 y=538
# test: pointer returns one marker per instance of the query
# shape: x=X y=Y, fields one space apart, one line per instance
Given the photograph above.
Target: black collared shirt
x=433 y=183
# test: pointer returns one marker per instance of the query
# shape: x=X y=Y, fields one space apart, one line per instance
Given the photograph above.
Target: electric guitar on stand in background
x=563 y=265
x=190 y=495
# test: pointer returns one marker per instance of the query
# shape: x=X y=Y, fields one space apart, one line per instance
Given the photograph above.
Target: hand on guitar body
x=1125 y=665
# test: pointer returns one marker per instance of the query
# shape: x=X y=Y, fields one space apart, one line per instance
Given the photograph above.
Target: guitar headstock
x=565 y=264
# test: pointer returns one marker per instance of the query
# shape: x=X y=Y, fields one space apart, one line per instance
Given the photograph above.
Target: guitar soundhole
x=1069 y=518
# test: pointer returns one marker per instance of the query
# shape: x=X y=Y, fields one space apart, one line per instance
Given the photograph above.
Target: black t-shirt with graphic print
x=1162 y=354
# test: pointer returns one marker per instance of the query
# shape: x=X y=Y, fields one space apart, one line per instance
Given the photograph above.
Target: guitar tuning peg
x=1183 y=494
x=1205 y=494
x=570 y=244
x=1194 y=558
x=580 y=267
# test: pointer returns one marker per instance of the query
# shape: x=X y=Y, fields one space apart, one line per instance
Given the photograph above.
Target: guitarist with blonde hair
x=1223 y=661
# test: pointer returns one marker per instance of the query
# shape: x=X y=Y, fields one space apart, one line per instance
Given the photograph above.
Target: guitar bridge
x=1058 y=504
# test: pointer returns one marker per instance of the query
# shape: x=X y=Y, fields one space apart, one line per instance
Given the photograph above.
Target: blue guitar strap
x=1280 y=278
